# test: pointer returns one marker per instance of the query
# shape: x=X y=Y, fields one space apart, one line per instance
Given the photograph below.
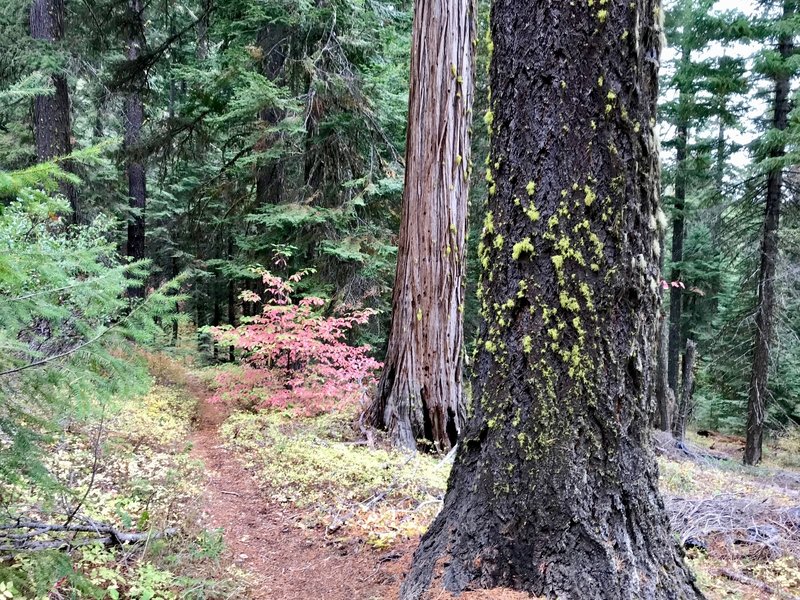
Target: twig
x=95 y=464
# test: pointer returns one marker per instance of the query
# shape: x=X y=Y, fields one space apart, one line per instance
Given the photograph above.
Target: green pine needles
x=65 y=322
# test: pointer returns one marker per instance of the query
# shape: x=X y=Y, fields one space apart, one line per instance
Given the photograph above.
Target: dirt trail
x=262 y=536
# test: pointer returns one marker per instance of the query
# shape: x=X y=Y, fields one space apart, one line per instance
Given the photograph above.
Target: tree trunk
x=765 y=315
x=684 y=408
x=175 y=272
x=719 y=169
x=51 y=114
x=665 y=399
x=554 y=489
x=269 y=174
x=678 y=234
x=420 y=395
x=202 y=31
x=134 y=119
x=231 y=299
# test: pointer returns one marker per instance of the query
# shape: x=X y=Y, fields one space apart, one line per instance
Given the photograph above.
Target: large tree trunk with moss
x=51 y=113
x=554 y=489
x=134 y=120
x=420 y=395
x=765 y=315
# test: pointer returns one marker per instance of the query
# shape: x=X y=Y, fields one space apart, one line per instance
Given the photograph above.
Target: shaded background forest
x=272 y=134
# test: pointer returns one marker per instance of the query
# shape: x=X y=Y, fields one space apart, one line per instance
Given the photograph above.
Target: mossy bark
x=555 y=486
x=420 y=394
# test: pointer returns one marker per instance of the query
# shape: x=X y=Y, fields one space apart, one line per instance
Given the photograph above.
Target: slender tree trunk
x=684 y=407
x=134 y=119
x=765 y=315
x=554 y=489
x=719 y=169
x=51 y=114
x=231 y=299
x=678 y=234
x=269 y=174
x=202 y=31
x=420 y=395
x=665 y=399
x=175 y=272
x=216 y=317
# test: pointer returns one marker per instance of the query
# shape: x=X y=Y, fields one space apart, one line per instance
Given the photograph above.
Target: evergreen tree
x=777 y=64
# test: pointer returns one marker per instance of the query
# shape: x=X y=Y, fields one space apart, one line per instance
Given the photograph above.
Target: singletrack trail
x=284 y=560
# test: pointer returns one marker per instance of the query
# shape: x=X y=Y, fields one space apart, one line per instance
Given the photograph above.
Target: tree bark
x=765 y=315
x=420 y=394
x=554 y=489
x=269 y=175
x=719 y=168
x=684 y=407
x=678 y=235
x=202 y=31
x=665 y=399
x=51 y=114
x=134 y=120
x=231 y=299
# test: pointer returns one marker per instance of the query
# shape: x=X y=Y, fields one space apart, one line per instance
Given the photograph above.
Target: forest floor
x=312 y=512
x=277 y=506
x=270 y=539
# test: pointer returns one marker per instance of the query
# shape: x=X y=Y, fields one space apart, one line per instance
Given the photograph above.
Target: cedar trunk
x=554 y=489
x=765 y=315
x=51 y=114
x=420 y=395
x=134 y=119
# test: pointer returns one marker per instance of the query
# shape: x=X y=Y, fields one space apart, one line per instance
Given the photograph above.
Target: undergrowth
x=323 y=467
x=319 y=464
x=127 y=466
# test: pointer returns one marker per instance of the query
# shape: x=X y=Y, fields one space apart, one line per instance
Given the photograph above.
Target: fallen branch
x=25 y=541
x=744 y=579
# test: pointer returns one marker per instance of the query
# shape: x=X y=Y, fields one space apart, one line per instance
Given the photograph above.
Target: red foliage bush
x=293 y=356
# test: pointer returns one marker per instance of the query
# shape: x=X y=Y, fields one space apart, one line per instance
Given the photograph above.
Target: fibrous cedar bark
x=51 y=113
x=134 y=120
x=554 y=487
x=420 y=394
x=765 y=314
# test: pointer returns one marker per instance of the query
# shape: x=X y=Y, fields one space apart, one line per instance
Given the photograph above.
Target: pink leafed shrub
x=293 y=356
